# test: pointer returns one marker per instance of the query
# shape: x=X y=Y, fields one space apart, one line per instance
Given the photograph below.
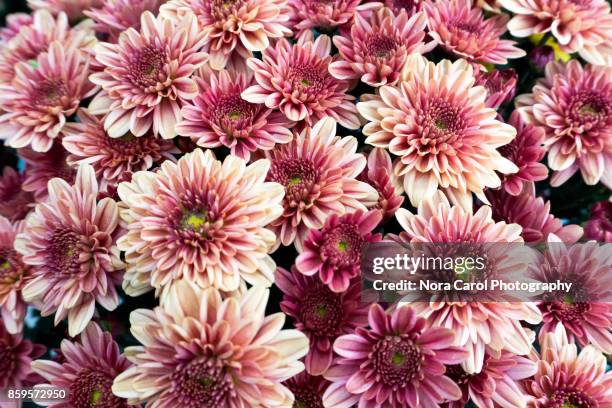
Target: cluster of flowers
x=178 y=146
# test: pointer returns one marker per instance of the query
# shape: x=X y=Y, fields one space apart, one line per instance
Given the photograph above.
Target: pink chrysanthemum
x=532 y=214
x=500 y=85
x=477 y=326
x=377 y=47
x=437 y=123
x=219 y=116
x=582 y=26
x=199 y=350
x=585 y=310
x=13 y=276
x=599 y=225
x=203 y=220
x=42 y=167
x=147 y=76
x=497 y=385
x=318 y=171
x=334 y=252
x=397 y=362
x=526 y=152
x=15 y=202
x=87 y=370
x=324 y=16
x=295 y=79
x=574 y=106
x=16 y=355
x=14 y=22
x=74 y=9
x=320 y=314
x=307 y=389
x=379 y=174
x=41 y=98
x=112 y=17
x=566 y=378
x=113 y=159
x=234 y=29
x=410 y=6
x=69 y=244
x=463 y=31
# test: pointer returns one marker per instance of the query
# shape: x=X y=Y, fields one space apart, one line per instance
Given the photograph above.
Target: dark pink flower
x=42 y=167
x=307 y=389
x=500 y=85
x=15 y=202
x=410 y=6
x=599 y=226
x=324 y=16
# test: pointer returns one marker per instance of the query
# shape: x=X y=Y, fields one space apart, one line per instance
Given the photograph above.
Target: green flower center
x=96 y=395
x=306 y=82
x=342 y=245
x=194 y=221
x=294 y=181
x=398 y=358
x=235 y=115
x=440 y=124
x=321 y=311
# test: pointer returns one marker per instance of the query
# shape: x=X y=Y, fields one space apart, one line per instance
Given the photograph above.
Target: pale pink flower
x=462 y=30
x=14 y=22
x=295 y=79
x=41 y=98
x=199 y=350
x=320 y=314
x=202 y=220
x=234 y=29
x=307 y=389
x=15 y=202
x=574 y=106
x=437 y=123
x=69 y=244
x=567 y=378
x=113 y=159
x=219 y=116
x=500 y=85
x=147 y=76
x=599 y=225
x=112 y=17
x=87 y=370
x=324 y=16
x=397 y=362
x=74 y=9
x=477 y=325
x=13 y=276
x=318 y=171
x=42 y=167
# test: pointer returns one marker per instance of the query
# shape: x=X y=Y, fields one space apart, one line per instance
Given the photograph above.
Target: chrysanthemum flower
x=599 y=225
x=532 y=214
x=476 y=325
x=377 y=47
x=574 y=106
x=500 y=85
x=295 y=79
x=566 y=378
x=219 y=116
x=497 y=385
x=397 y=362
x=410 y=6
x=320 y=314
x=115 y=16
x=318 y=171
x=13 y=276
x=585 y=311
x=437 y=123
x=16 y=355
x=577 y=25
x=41 y=98
x=325 y=17
x=334 y=252
x=379 y=174
x=74 y=9
x=113 y=159
x=42 y=167
x=13 y=24
x=147 y=76
x=87 y=371
x=15 y=202
x=234 y=29
x=526 y=152
x=307 y=389
x=462 y=30
x=203 y=220
x=68 y=242
x=200 y=350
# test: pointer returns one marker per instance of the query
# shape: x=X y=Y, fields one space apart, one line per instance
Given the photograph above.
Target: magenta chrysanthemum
x=234 y=29
x=320 y=314
x=147 y=76
x=113 y=159
x=40 y=98
x=324 y=16
x=74 y=9
x=87 y=371
x=68 y=242
x=395 y=363
x=377 y=47
x=500 y=85
x=438 y=125
x=15 y=202
x=219 y=116
x=599 y=225
x=199 y=350
x=334 y=252
x=202 y=220
x=574 y=106
x=14 y=22
x=462 y=30
x=307 y=389
x=112 y=17
x=42 y=167
x=295 y=79
x=410 y=6
x=318 y=171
